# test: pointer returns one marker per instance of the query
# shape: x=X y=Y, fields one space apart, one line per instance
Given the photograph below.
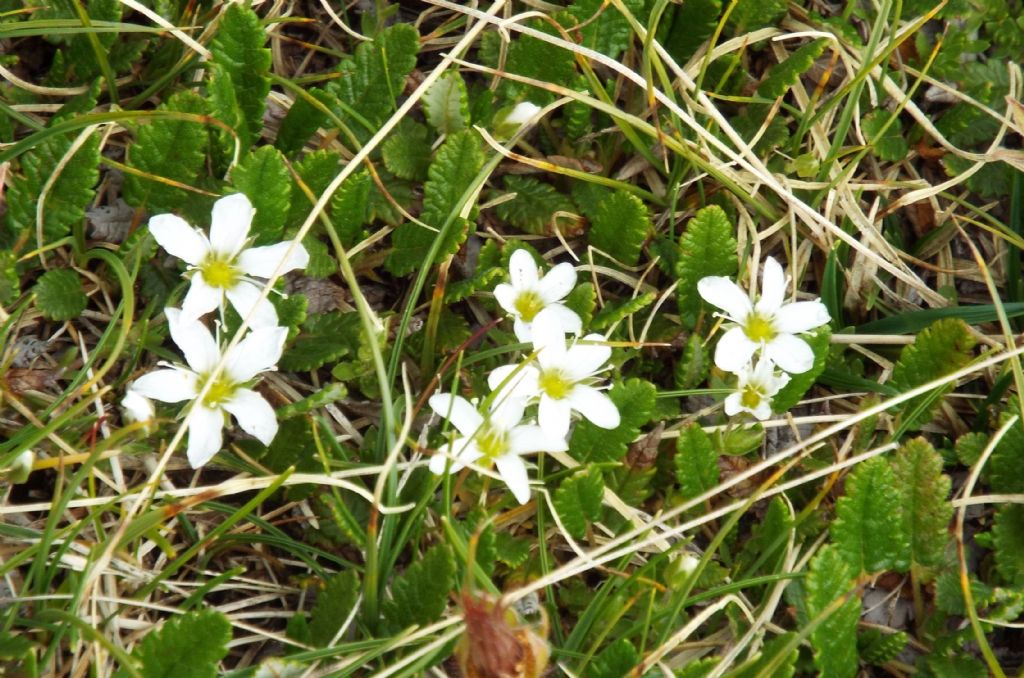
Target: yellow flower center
x=493 y=443
x=528 y=305
x=750 y=397
x=555 y=384
x=219 y=272
x=758 y=328
x=220 y=390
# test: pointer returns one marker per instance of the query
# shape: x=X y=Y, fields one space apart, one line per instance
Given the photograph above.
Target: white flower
x=754 y=390
x=137 y=408
x=258 y=352
x=521 y=114
x=529 y=294
x=563 y=379
x=220 y=263
x=499 y=438
x=770 y=324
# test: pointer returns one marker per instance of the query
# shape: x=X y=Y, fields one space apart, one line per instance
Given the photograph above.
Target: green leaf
x=635 y=400
x=407 y=150
x=607 y=32
x=328 y=393
x=59 y=294
x=446 y=104
x=240 y=82
x=419 y=595
x=263 y=177
x=321 y=263
x=582 y=301
x=615 y=661
x=869 y=530
x=316 y=170
x=959 y=666
x=489 y=270
x=1006 y=465
x=684 y=28
x=786 y=74
x=294 y=445
x=969 y=447
x=879 y=648
x=333 y=606
x=189 y=646
x=767 y=661
x=889 y=144
x=790 y=394
x=944 y=347
x=372 y=80
x=530 y=57
x=534 y=206
x=510 y=550
x=10 y=282
x=768 y=538
x=578 y=500
x=835 y=639
x=696 y=462
x=325 y=338
x=923 y=493
x=302 y=121
x=694 y=364
x=913 y=321
x=708 y=247
x=451 y=174
x=614 y=311
x=350 y=206
x=167 y=148
x=619 y=227
x=1008 y=540
x=749 y=15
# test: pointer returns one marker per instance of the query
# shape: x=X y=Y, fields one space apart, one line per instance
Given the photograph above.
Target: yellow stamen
x=219 y=273
x=758 y=328
x=491 y=442
x=528 y=305
x=750 y=397
x=555 y=384
x=220 y=391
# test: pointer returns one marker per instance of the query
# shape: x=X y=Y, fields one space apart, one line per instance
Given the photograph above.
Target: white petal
x=175 y=235
x=521 y=113
x=522 y=270
x=258 y=352
x=167 y=386
x=763 y=409
x=263 y=261
x=507 y=410
x=527 y=439
x=506 y=295
x=734 y=350
x=726 y=295
x=204 y=434
x=548 y=338
x=137 y=407
x=254 y=414
x=584 y=359
x=790 y=353
x=801 y=316
x=763 y=372
x=468 y=453
x=557 y=283
x=733 y=404
x=773 y=287
x=522 y=384
x=245 y=296
x=194 y=340
x=553 y=416
x=595 y=406
x=201 y=298
x=231 y=219
x=523 y=330
x=513 y=471
x=458 y=411
x=567 y=317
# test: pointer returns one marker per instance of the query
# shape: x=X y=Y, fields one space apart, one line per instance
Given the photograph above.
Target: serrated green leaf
x=790 y=394
x=889 y=144
x=170 y=149
x=350 y=205
x=316 y=170
x=534 y=207
x=240 y=82
x=333 y=606
x=189 y=646
x=969 y=447
x=510 y=550
x=59 y=294
x=302 y=121
x=619 y=227
x=944 y=347
x=489 y=270
x=321 y=263
x=869 y=530
x=923 y=490
x=615 y=661
x=582 y=300
x=614 y=311
x=1008 y=540
x=835 y=639
x=607 y=32
x=10 y=282
x=769 y=536
x=407 y=150
x=696 y=462
x=446 y=104
x=294 y=445
x=1006 y=465
x=708 y=247
x=325 y=338
x=694 y=364
x=786 y=74
x=749 y=15
x=635 y=400
x=684 y=28
x=532 y=58
x=578 y=500
x=451 y=174
x=263 y=177
x=420 y=594
x=960 y=666
x=879 y=648
x=291 y=311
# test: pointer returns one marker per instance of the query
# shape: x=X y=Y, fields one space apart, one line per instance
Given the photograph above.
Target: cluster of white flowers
x=767 y=328
x=221 y=268
x=559 y=378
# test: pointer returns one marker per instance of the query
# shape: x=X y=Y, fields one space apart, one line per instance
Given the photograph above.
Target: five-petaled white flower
x=498 y=438
x=529 y=294
x=258 y=352
x=562 y=380
x=770 y=324
x=755 y=387
x=221 y=262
